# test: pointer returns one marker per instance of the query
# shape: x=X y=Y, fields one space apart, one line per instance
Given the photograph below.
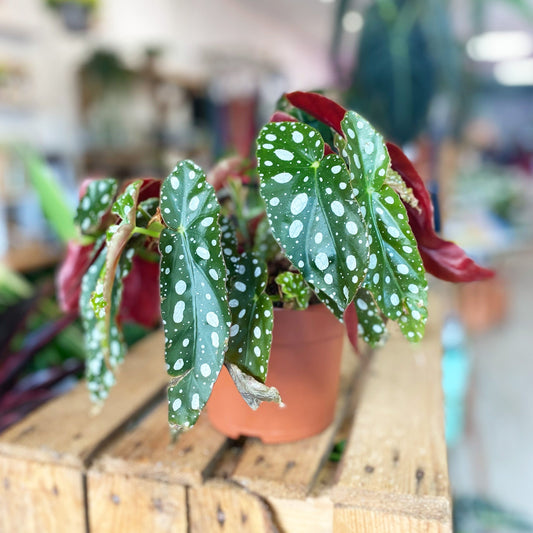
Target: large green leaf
x=117 y=238
x=251 y=317
x=396 y=276
x=94 y=204
x=195 y=312
x=104 y=350
x=312 y=210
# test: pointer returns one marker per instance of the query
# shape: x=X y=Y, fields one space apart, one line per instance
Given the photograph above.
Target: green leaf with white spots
x=371 y=325
x=253 y=392
x=312 y=211
x=194 y=308
x=228 y=241
x=94 y=204
x=105 y=350
x=117 y=238
x=265 y=246
x=396 y=275
x=296 y=292
x=251 y=317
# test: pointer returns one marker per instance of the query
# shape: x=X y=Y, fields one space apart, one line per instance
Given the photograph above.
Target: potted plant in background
x=332 y=225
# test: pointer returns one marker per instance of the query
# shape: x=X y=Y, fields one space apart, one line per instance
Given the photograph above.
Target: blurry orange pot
x=304 y=366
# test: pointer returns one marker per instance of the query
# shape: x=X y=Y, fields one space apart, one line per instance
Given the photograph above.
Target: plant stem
x=145 y=231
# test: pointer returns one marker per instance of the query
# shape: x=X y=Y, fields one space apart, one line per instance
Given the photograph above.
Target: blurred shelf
x=32 y=256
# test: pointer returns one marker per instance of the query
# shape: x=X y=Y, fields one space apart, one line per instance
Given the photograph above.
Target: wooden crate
x=65 y=469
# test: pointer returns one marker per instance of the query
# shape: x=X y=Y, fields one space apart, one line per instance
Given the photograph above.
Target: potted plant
x=331 y=225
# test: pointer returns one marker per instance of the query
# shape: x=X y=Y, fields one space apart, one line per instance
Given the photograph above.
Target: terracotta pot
x=304 y=366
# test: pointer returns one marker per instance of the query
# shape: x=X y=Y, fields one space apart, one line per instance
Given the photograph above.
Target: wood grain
x=224 y=507
x=123 y=503
x=395 y=460
x=146 y=451
x=37 y=498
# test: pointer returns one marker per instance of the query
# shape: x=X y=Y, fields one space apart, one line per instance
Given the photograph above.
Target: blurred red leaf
x=443 y=259
x=351 y=322
x=320 y=107
x=141 y=300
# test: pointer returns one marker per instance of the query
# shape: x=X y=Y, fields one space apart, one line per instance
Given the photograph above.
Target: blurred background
x=124 y=88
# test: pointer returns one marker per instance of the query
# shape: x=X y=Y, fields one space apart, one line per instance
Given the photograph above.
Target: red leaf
x=320 y=107
x=140 y=300
x=281 y=116
x=150 y=188
x=351 y=322
x=68 y=281
x=443 y=259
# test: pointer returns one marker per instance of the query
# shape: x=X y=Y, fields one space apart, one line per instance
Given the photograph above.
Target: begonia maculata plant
x=329 y=213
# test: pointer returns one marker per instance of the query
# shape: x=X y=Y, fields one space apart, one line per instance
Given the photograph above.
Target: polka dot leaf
x=229 y=245
x=264 y=243
x=396 y=276
x=94 y=204
x=312 y=211
x=296 y=292
x=251 y=317
x=194 y=308
x=371 y=326
x=117 y=237
x=105 y=349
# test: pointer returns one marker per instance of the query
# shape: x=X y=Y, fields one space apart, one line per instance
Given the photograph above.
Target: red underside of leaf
x=320 y=107
x=141 y=301
x=281 y=116
x=351 y=321
x=77 y=260
x=443 y=259
x=150 y=188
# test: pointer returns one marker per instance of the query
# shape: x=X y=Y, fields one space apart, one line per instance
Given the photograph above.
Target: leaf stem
x=145 y=231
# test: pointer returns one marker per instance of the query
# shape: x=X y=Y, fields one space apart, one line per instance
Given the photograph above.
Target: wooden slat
x=67 y=431
x=146 y=451
x=395 y=460
x=304 y=515
x=288 y=470
x=349 y=520
x=121 y=503
x=36 y=497
x=224 y=507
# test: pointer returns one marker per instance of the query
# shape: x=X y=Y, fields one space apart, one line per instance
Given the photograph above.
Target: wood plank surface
x=289 y=470
x=395 y=461
x=37 y=498
x=147 y=451
x=220 y=506
x=121 y=503
x=67 y=431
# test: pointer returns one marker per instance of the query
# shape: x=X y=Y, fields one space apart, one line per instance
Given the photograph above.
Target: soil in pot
x=304 y=366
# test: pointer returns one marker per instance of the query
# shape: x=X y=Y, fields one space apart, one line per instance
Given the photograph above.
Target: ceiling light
x=499 y=45
x=515 y=73
x=352 y=21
